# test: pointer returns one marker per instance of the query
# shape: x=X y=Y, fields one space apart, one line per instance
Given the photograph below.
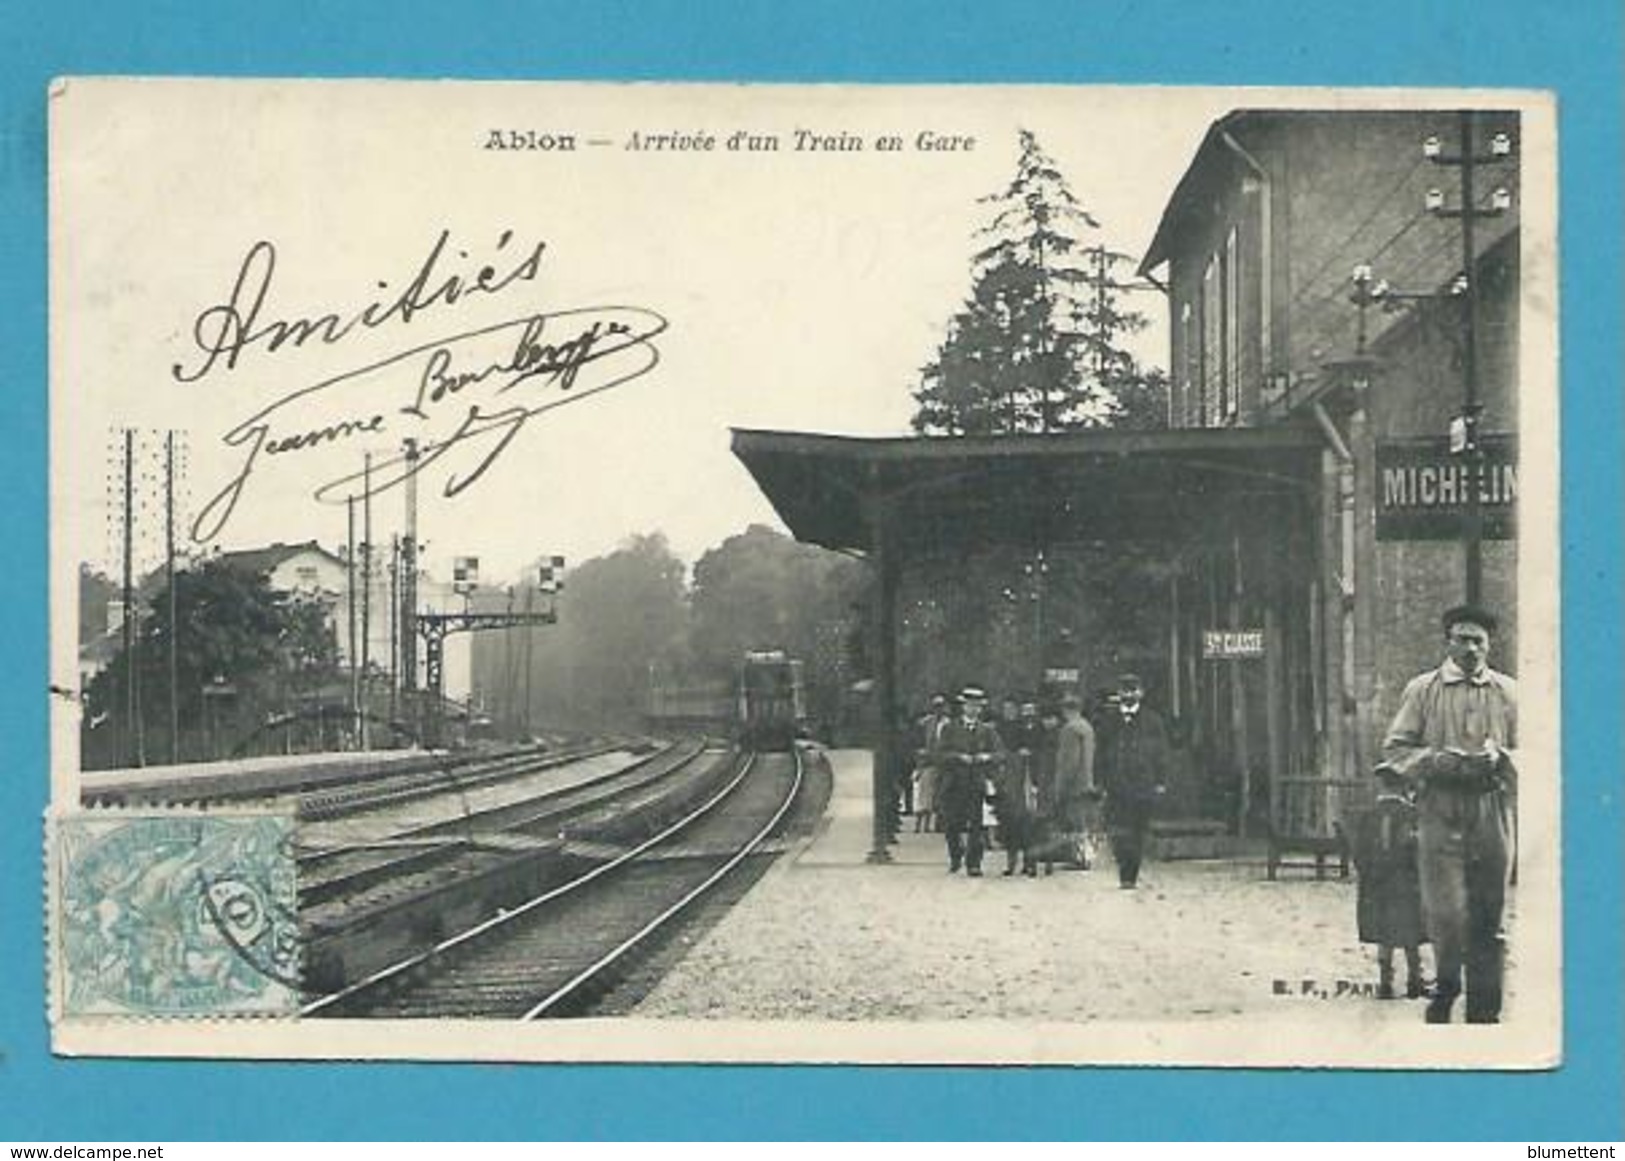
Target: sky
x=797 y=289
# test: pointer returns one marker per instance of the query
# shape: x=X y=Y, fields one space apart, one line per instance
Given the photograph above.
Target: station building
x=1305 y=495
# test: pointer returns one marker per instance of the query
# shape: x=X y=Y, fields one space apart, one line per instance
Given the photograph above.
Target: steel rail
x=567 y=989
x=479 y=930
x=358 y=798
x=460 y=827
x=443 y=840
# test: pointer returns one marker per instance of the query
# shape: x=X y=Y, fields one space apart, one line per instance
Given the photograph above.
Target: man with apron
x=1453 y=737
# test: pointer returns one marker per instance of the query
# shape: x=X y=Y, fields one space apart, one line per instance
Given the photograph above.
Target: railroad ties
x=509 y=884
x=486 y=899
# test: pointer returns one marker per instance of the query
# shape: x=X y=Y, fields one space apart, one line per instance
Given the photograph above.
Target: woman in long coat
x=1067 y=793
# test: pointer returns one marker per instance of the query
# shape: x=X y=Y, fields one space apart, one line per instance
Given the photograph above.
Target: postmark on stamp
x=175 y=915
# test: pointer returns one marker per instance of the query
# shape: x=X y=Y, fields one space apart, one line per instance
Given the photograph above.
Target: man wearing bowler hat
x=1453 y=737
x=1134 y=764
x=968 y=753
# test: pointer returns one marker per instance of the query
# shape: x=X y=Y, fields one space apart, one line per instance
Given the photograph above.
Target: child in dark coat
x=1389 y=903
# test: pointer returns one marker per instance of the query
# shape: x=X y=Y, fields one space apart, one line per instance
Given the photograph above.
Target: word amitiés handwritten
x=226 y=330
x=442 y=394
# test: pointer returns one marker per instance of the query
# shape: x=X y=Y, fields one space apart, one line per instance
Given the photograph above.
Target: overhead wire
x=1344 y=249
x=1333 y=315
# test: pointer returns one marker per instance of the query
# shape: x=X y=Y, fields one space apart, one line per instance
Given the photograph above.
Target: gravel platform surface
x=825 y=936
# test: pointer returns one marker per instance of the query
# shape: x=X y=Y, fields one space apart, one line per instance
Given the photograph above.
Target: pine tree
x=1035 y=348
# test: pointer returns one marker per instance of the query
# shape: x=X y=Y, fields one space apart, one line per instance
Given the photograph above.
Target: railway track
x=409 y=786
x=555 y=953
x=473 y=838
x=319 y=785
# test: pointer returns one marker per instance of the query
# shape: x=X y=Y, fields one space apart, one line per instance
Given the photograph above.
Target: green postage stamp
x=174 y=915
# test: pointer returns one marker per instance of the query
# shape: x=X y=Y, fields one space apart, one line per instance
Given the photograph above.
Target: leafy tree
x=628 y=619
x=1139 y=399
x=1001 y=615
x=235 y=633
x=1037 y=346
x=760 y=589
x=619 y=614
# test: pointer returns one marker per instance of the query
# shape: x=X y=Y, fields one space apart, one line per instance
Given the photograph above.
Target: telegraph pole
x=1046 y=387
x=409 y=580
x=349 y=588
x=1104 y=319
x=131 y=700
x=169 y=576
x=1102 y=332
x=530 y=638
x=365 y=687
x=394 y=626
x=508 y=683
x=1473 y=533
x=130 y=513
x=1464 y=430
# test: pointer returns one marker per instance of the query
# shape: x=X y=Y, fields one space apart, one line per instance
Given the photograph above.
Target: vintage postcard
x=960 y=574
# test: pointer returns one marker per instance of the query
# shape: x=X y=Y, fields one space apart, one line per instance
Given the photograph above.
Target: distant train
x=763 y=707
x=771 y=700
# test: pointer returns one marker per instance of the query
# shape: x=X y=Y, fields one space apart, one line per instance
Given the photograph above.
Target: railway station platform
x=246 y=777
x=826 y=935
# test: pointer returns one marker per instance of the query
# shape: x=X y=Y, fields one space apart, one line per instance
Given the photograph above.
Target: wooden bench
x=1194 y=838
x=1306 y=823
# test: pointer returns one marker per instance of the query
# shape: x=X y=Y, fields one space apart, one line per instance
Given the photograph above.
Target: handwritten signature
x=474 y=390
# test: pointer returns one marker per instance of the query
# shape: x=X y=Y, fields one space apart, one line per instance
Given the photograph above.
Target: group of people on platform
x=1046 y=781
x=1434 y=853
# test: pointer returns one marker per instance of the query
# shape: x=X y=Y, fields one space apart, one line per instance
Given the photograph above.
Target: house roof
x=264 y=560
x=939 y=493
x=1239 y=137
x=1181 y=209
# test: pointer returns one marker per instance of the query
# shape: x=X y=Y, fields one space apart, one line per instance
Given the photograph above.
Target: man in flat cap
x=968 y=754
x=1453 y=737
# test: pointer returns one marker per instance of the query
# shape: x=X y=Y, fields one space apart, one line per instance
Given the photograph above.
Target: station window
x=1213 y=362
x=1232 y=327
x=1190 y=370
x=1221 y=333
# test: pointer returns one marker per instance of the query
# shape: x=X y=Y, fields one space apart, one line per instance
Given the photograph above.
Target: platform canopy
x=939 y=493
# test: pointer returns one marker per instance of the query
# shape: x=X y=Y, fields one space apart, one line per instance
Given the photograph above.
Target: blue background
x=1574 y=48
